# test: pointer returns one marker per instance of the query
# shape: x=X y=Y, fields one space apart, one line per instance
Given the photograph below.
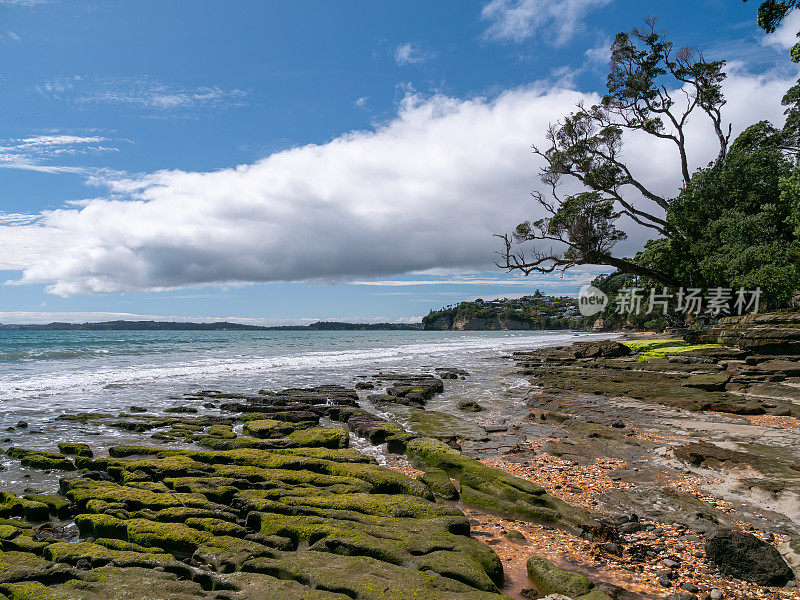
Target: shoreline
x=531 y=435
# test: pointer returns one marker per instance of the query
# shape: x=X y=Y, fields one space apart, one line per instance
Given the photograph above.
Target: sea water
x=47 y=373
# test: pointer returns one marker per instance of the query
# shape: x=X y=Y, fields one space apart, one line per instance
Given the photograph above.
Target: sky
x=284 y=162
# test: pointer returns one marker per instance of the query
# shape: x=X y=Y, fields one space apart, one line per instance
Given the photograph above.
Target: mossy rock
x=24 y=543
x=11 y=506
x=494 y=490
x=321 y=437
x=216 y=489
x=115 y=544
x=385 y=481
x=217 y=443
x=84 y=417
x=38 y=459
x=399 y=506
x=179 y=514
x=226 y=553
x=21 y=566
x=427 y=543
x=130 y=583
x=216 y=526
x=34 y=590
x=101 y=526
x=180 y=409
x=173 y=537
x=257 y=586
x=75 y=448
x=270 y=428
x=124 y=451
x=96 y=554
x=710 y=382
x=57 y=505
x=221 y=431
x=439 y=425
x=549 y=579
x=440 y=484
x=81 y=491
x=11 y=530
x=366 y=578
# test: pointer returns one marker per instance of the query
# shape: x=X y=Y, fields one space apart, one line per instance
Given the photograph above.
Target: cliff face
x=442 y=322
x=491 y=324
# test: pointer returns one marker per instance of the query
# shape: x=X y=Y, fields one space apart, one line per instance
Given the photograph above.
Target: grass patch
x=648 y=349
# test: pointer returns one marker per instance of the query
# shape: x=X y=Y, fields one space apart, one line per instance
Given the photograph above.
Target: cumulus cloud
x=425 y=191
x=518 y=20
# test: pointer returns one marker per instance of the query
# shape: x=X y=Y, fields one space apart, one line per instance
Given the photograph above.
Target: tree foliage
x=737 y=219
x=652 y=88
x=734 y=223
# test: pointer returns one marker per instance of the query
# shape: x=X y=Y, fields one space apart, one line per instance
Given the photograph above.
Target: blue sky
x=282 y=161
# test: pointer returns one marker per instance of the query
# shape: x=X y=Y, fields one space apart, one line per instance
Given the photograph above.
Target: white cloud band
x=425 y=191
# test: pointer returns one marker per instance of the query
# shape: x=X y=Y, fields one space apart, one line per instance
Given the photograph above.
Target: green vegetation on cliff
x=529 y=312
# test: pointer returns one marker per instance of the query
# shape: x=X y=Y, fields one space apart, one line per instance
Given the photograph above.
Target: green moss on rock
x=75 y=448
x=325 y=437
x=440 y=484
x=38 y=459
x=57 y=505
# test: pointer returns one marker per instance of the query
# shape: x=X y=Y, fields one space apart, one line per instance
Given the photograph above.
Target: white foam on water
x=87 y=376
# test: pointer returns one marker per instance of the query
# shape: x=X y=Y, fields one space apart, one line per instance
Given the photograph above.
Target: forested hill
x=529 y=312
x=217 y=326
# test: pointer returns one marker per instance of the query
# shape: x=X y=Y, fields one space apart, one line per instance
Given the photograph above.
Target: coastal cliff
x=527 y=313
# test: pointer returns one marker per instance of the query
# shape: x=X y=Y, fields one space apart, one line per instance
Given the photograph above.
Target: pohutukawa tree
x=653 y=89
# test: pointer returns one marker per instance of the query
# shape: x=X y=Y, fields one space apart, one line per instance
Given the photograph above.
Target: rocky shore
x=608 y=475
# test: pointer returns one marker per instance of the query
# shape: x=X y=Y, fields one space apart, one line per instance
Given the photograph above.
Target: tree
x=738 y=222
x=586 y=147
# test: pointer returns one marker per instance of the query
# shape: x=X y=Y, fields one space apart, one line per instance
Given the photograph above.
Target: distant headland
x=529 y=312
x=216 y=326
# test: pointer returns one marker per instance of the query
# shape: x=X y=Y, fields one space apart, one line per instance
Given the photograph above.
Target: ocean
x=46 y=373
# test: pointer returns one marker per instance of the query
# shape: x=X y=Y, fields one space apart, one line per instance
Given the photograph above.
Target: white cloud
x=14 y=36
x=32 y=153
x=555 y=20
x=786 y=35
x=361 y=102
x=601 y=54
x=502 y=282
x=23 y=2
x=424 y=192
x=152 y=96
x=410 y=54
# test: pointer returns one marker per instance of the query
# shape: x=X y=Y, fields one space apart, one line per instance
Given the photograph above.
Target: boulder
x=744 y=556
x=469 y=406
x=605 y=349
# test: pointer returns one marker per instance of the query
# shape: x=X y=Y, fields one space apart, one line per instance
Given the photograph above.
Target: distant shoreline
x=217 y=326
